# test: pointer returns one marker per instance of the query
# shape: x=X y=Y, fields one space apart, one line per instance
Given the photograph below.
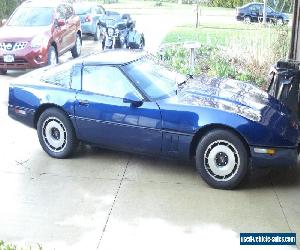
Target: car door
x=255 y=12
x=270 y=14
x=70 y=27
x=103 y=118
x=61 y=31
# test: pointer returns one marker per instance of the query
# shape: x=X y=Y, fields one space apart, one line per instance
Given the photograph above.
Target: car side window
x=61 y=12
x=107 y=80
x=69 y=11
x=60 y=78
x=254 y=8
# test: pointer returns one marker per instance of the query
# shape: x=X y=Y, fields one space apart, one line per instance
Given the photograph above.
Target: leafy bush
x=4 y=246
x=242 y=58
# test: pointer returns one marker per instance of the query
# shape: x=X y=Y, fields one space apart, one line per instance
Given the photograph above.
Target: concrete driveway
x=102 y=199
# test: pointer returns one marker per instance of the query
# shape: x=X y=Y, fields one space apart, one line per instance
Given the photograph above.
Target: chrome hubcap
x=54 y=134
x=221 y=160
x=247 y=20
x=53 y=60
x=98 y=33
x=78 y=45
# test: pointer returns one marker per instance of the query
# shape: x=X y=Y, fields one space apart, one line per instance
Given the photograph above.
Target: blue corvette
x=126 y=101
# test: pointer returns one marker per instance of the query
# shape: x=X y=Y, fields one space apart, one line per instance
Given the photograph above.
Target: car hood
x=8 y=33
x=229 y=95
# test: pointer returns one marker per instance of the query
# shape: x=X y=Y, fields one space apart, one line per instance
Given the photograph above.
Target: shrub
x=239 y=58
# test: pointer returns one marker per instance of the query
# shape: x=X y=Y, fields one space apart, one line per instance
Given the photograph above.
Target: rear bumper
x=23 y=115
x=88 y=28
x=284 y=157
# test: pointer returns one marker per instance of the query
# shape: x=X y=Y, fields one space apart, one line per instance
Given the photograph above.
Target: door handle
x=84 y=102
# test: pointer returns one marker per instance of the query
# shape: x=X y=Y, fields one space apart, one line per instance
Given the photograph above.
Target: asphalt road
x=111 y=200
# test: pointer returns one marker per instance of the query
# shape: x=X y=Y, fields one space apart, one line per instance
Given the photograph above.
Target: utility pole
x=265 y=12
x=197 y=14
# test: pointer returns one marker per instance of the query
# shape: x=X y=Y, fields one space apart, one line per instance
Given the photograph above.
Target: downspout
x=295 y=42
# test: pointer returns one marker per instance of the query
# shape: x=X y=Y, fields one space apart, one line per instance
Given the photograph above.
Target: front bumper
x=284 y=157
x=27 y=58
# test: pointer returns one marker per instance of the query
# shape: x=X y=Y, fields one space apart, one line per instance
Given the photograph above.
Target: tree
x=7 y=7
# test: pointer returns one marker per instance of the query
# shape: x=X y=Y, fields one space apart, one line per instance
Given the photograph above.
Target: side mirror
x=133 y=99
x=61 y=22
x=3 y=21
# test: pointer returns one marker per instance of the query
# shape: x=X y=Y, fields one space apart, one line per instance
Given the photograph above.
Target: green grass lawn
x=224 y=35
x=239 y=51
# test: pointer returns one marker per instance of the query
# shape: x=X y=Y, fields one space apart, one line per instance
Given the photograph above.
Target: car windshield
x=28 y=16
x=81 y=9
x=156 y=81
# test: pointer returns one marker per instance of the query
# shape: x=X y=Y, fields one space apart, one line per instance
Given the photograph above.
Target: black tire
x=222 y=159
x=97 y=35
x=56 y=133
x=52 y=56
x=3 y=71
x=103 y=44
x=117 y=44
x=76 y=50
x=142 y=43
x=247 y=19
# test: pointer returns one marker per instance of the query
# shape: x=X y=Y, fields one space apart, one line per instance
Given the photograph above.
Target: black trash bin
x=284 y=80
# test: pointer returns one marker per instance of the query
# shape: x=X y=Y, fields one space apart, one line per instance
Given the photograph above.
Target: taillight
x=88 y=19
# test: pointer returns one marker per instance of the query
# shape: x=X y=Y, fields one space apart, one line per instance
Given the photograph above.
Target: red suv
x=37 y=33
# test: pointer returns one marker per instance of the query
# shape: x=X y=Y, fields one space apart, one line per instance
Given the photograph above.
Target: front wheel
x=222 y=159
x=247 y=19
x=76 y=50
x=52 y=56
x=56 y=133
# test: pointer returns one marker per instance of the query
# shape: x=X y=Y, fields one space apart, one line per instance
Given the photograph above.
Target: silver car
x=92 y=17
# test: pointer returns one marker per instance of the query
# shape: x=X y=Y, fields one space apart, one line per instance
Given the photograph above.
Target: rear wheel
x=222 y=159
x=56 y=133
x=52 y=56
x=3 y=71
x=76 y=50
x=142 y=43
x=247 y=19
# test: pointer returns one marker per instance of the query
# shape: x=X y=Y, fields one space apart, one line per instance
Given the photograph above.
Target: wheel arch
x=79 y=33
x=205 y=129
x=41 y=109
x=53 y=43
